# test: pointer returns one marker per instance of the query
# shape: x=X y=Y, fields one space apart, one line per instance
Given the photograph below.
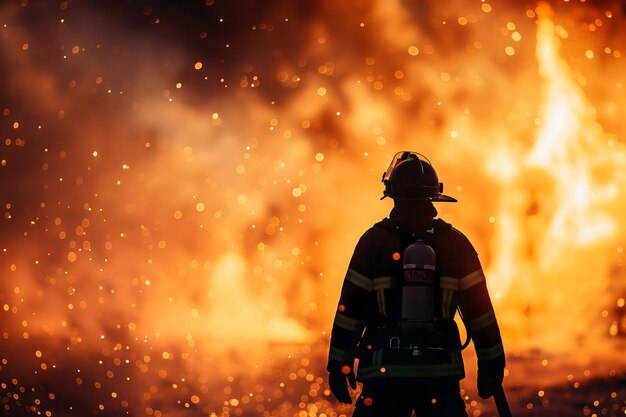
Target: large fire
x=182 y=185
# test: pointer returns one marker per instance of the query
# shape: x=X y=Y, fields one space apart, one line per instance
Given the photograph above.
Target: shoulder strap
x=427 y=233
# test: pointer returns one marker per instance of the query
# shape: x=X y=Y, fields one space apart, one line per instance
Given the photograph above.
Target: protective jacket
x=367 y=315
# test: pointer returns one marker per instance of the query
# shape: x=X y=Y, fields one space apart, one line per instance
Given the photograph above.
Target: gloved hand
x=338 y=383
x=488 y=379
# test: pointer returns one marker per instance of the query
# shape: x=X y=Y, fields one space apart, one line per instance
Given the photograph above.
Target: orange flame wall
x=183 y=184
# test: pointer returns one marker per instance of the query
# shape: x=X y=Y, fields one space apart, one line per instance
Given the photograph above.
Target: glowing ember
x=182 y=185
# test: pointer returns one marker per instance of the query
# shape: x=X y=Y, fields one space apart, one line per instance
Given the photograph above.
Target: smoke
x=182 y=185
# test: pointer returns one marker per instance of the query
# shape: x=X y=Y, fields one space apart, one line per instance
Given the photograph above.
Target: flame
x=558 y=218
x=577 y=153
x=233 y=303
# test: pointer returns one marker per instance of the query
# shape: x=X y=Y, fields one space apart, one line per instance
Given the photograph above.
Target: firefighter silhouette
x=409 y=275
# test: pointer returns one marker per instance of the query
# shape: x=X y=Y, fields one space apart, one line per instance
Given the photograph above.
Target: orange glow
x=182 y=187
x=559 y=206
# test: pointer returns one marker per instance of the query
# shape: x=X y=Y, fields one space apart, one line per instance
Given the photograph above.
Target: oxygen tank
x=417 y=288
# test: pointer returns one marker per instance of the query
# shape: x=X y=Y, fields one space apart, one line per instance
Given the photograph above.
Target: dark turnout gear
x=489 y=378
x=408 y=276
x=338 y=382
x=427 y=398
x=367 y=320
x=411 y=176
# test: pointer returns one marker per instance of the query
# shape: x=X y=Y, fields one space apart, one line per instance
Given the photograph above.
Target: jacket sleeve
x=356 y=303
x=477 y=310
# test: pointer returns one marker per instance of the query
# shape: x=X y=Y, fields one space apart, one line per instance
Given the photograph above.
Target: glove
x=338 y=383
x=488 y=379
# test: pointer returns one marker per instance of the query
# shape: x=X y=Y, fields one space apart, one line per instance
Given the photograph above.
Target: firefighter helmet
x=411 y=176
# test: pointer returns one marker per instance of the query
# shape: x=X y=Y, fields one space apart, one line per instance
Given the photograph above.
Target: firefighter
x=407 y=278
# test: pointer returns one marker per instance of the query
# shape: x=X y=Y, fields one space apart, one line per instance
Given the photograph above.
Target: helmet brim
x=444 y=198
x=441 y=198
